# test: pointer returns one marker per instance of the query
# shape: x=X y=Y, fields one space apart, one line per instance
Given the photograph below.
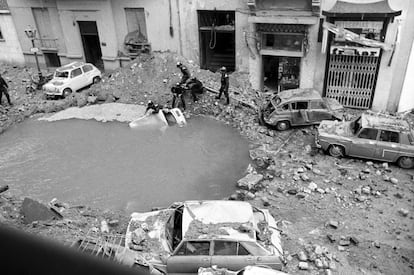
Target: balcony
x=47 y=44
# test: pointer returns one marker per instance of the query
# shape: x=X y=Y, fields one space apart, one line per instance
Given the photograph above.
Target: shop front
x=354 y=41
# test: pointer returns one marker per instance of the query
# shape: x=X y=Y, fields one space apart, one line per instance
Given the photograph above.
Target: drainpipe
x=170 y=14
x=179 y=26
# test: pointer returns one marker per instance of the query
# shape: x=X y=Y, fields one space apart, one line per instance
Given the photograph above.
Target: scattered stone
x=341 y=248
x=362 y=177
x=301 y=195
x=307 y=190
x=320 y=190
x=312 y=186
x=354 y=240
x=308 y=166
x=302 y=256
x=304 y=177
x=250 y=195
x=318 y=263
x=292 y=191
x=113 y=223
x=249 y=181
x=366 y=171
x=265 y=201
x=318 y=250
x=378 y=173
x=366 y=190
x=361 y=198
x=303 y=266
x=333 y=224
x=345 y=242
x=386 y=178
x=104 y=227
x=370 y=163
x=385 y=165
x=403 y=212
x=393 y=180
x=300 y=170
x=317 y=172
x=332 y=265
x=377 y=244
x=35 y=211
x=331 y=238
x=398 y=195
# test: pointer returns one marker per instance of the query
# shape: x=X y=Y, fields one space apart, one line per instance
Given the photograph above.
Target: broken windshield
x=64 y=74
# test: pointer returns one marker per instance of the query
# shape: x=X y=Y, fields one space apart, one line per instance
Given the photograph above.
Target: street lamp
x=31 y=34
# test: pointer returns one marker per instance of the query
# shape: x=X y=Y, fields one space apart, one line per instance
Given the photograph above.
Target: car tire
x=283 y=125
x=96 y=79
x=406 y=162
x=66 y=92
x=336 y=151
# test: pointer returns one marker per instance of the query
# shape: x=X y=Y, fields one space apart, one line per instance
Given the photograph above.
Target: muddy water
x=108 y=165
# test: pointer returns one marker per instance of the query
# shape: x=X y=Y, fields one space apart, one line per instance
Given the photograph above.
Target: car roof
x=71 y=66
x=384 y=122
x=299 y=94
x=218 y=219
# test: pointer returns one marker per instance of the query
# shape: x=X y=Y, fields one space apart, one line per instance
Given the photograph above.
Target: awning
x=359 y=10
x=353 y=37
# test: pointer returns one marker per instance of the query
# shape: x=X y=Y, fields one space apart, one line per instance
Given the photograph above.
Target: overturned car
x=193 y=234
x=298 y=107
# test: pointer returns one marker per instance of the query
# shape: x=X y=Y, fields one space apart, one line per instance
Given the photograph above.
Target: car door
x=300 y=112
x=388 y=146
x=364 y=144
x=318 y=111
x=76 y=79
x=88 y=74
x=188 y=257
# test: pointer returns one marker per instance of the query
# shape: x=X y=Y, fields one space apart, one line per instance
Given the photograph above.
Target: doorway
x=91 y=44
x=281 y=72
x=217 y=39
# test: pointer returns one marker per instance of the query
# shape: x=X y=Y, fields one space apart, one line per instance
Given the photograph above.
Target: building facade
x=282 y=44
x=10 y=49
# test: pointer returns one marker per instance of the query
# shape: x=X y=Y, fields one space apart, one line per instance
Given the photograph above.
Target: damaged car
x=371 y=136
x=193 y=234
x=298 y=107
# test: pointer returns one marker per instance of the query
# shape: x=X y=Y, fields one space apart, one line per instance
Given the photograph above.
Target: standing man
x=3 y=89
x=224 y=88
x=186 y=73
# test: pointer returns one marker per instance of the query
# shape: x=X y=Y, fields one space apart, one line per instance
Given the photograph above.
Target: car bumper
x=52 y=91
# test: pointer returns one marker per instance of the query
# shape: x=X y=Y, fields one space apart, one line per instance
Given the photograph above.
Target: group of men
x=194 y=86
x=3 y=90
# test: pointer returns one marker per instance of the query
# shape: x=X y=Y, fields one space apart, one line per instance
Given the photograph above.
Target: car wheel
x=336 y=151
x=283 y=125
x=406 y=162
x=66 y=92
x=96 y=79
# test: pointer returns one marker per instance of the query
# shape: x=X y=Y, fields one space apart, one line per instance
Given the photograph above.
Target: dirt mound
x=151 y=76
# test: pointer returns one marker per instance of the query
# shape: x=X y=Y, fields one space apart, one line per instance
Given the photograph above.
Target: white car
x=70 y=78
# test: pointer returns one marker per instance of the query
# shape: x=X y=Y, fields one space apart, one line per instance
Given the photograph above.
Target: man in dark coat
x=224 y=88
x=195 y=86
x=178 y=92
x=186 y=75
x=155 y=107
x=3 y=89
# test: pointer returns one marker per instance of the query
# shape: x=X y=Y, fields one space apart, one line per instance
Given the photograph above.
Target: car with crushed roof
x=298 y=107
x=193 y=234
x=70 y=78
x=370 y=136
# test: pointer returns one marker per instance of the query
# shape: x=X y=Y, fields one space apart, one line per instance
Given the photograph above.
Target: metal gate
x=351 y=79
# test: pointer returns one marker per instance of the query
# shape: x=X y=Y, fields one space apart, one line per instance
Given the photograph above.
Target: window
x=62 y=74
x=284 y=107
x=389 y=136
x=284 y=41
x=317 y=105
x=253 y=248
x=87 y=68
x=300 y=105
x=192 y=248
x=135 y=18
x=75 y=73
x=368 y=133
x=410 y=139
x=225 y=248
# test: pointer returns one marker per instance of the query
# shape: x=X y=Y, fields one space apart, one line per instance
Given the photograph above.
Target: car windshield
x=63 y=74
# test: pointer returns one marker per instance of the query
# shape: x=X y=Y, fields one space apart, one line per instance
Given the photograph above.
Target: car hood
x=336 y=128
x=146 y=235
x=58 y=81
